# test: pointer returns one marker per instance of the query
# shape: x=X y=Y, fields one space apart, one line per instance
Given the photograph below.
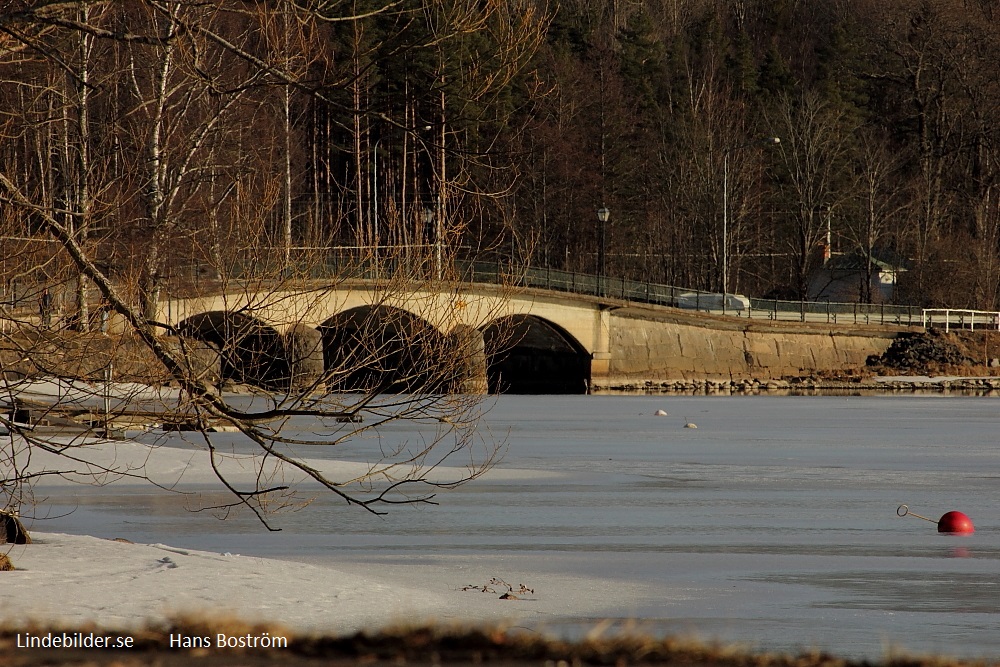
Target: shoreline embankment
x=659 y=345
x=675 y=352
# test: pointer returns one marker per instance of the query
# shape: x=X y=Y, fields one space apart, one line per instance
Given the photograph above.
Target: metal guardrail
x=678 y=297
x=346 y=263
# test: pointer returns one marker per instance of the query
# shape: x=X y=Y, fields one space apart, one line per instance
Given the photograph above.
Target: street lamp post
x=767 y=141
x=603 y=214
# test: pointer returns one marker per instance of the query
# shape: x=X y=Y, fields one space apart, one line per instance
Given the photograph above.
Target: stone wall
x=654 y=345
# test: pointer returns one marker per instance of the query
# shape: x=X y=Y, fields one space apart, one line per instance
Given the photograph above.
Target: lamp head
x=603 y=214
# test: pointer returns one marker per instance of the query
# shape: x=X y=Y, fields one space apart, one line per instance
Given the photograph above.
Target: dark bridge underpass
x=387 y=349
x=529 y=355
x=250 y=351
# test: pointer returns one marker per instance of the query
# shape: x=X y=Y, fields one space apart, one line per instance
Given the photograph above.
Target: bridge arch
x=527 y=354
x=250 y=350
x=385 y=349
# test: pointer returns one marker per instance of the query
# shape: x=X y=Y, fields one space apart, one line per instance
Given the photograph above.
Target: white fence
x=962 y=319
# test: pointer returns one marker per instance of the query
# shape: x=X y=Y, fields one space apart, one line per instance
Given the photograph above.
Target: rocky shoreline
x=960 y=362
x=807 y=386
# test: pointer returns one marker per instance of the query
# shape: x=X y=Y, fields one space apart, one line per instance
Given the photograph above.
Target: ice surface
x=773 y=524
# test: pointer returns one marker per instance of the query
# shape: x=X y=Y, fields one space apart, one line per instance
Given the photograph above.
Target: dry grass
x=433 y=645
x=5 y=564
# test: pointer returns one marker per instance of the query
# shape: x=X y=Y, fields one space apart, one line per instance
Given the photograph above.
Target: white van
x=712 y=301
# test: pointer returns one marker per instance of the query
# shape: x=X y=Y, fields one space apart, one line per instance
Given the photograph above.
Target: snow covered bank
x=71 y=580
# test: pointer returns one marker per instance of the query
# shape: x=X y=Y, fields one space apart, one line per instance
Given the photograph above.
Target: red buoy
x=956 y=522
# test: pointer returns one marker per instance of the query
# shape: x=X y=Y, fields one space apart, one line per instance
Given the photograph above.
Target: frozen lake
x=773 y=524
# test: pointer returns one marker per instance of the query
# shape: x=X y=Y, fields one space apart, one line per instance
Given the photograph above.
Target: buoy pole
x=903 y=510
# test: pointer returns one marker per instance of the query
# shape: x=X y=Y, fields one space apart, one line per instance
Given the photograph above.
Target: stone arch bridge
x=471 y=337
x=366 y=335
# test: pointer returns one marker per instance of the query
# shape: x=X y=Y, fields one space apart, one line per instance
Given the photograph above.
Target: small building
x=843 y=278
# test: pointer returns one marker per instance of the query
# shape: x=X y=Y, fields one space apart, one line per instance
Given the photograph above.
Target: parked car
x=712 y=301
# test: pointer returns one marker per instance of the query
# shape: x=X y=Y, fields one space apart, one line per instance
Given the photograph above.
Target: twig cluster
x=495 y=585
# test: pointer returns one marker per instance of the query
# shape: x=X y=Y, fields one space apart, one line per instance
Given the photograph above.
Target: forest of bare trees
x=183 y=137
x=162 y=149
x=888 y=115
x=174 y=139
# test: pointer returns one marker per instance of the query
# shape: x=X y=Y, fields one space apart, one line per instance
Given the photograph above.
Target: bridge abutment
x=600 y=367
x=468 y=349
x=304 y=351
x=600 y=364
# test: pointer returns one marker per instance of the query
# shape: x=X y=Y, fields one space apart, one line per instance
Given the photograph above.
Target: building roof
x=885 y=259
